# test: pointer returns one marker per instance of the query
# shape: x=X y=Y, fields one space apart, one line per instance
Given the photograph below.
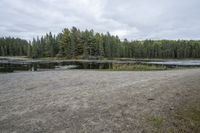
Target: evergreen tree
x=85 y=44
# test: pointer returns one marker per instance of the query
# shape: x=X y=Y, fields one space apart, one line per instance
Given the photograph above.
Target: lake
x=17 y=65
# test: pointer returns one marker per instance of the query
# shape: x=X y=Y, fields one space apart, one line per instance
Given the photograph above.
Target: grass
x=188 y=118
x=136 y=67
x=155 y=124
x=157 y=121
x=184 y=119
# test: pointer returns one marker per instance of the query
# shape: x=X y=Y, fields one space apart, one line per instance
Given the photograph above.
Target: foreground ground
x=100 y=101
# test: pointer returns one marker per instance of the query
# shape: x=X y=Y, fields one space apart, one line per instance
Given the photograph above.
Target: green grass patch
x=156 y=121
x=155 y=124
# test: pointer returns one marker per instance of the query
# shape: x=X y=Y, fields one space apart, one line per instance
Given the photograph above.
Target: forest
x=13 y=47
x=76 y=44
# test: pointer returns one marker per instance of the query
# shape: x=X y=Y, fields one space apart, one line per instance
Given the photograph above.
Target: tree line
x=73 y=43
x=13 y=46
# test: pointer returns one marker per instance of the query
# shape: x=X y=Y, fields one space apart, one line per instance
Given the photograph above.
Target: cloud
x=132 y=19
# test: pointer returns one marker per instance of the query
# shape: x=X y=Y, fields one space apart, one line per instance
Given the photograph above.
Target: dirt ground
x=95 y=101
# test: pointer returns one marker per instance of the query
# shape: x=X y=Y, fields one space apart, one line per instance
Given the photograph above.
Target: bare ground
x=96 y=101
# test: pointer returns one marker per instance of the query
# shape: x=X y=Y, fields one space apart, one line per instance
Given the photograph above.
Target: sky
x=131 y=19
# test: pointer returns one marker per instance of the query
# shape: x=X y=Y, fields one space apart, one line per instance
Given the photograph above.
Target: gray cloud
x=132 y=19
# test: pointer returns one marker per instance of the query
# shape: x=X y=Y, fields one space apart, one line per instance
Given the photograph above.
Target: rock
x=150 y=99
x=171 y=108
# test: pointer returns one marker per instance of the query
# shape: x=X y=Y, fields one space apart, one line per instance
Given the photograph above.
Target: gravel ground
x=92 y=101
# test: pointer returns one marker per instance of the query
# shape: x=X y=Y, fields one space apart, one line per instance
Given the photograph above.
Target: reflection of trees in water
x=11 y=66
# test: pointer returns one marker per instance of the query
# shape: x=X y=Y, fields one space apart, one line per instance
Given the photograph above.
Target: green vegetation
x=156 y=124
x=13 y=47
x=6 y=69
x=185 y=118
x=76 y=44
x=136 y=67
x=157 y=121
x=188 y=118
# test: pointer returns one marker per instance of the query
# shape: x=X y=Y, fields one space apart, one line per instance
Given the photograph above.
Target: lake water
x=176 y=62
x=34 y=65
x=16 y=65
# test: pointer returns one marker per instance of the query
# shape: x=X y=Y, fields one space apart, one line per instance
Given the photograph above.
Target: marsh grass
x=136 y=67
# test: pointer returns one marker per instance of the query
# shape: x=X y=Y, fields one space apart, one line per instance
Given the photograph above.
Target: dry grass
x=137 y=67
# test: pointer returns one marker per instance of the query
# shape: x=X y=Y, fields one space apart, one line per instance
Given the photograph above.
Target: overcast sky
x=132 y=19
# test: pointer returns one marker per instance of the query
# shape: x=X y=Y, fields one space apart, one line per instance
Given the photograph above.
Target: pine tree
x=2 y=51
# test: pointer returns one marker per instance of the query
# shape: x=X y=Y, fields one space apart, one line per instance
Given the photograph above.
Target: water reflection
x=7 y=65
x=43 y=66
